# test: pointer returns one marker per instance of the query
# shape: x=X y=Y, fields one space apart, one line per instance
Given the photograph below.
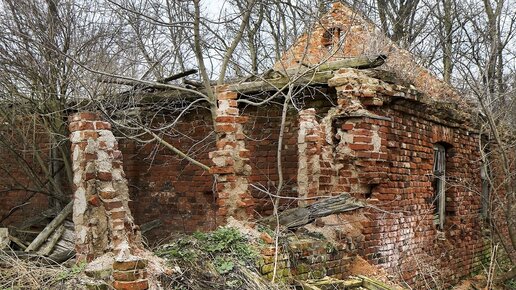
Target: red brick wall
x=15 y=163
x=396 y=176
x=262 y=130
x=166 y=187
x=396 y=172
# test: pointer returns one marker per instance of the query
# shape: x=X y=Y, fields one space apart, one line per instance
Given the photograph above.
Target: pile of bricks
x=130 y=274
x=303 y=258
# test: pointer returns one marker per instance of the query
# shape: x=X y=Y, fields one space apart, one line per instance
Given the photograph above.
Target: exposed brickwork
x=306 y=258
x=101 y=214
x=309 y=154
x=360 y=37
x=130 y=274
x=231 y=168
x=262 y=133
x=164 y=186
x=386 y=155
x=103 y=222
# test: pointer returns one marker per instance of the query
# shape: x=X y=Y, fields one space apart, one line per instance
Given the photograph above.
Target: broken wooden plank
x=112 y=80
x=308 y=76
x=150 y=225
x=372 y=284
x=178 y=76
x=18 y=242
x=48 y=246
x=47 y=231
x=65 y=246
x=279 y=83
x=300 y=216
x=329 y=283
x=360 y=62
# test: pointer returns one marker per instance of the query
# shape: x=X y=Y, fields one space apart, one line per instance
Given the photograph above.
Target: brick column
x=230 y=160
x=309 y=141
x=362 y=135
x=102 y=218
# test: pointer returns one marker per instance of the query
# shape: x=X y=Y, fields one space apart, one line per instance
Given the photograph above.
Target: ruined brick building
x=394 y=136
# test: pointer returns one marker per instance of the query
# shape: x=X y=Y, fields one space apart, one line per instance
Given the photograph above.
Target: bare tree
x=38 y=84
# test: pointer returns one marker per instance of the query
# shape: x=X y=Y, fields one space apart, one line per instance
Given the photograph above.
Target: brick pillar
x=102 y=218
x=230 y=160
x=309 y=142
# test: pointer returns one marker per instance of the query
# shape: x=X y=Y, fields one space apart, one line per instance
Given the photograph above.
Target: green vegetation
x=72 y=272
x=225 y=243
x=216 y=260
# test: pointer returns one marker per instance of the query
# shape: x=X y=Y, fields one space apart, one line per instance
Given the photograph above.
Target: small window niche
x=485 y=177
x=332 y=39
x=486 y=188
x=439 y=185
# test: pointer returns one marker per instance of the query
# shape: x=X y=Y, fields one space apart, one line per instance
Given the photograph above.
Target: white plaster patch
x=104 y=165
x=117 y=174
x=106 y=186
x=79 y=204
x=81 y=233
x=108 y=137
x=90 y=167
x=223 y=106
x=102 y=155
x=77 y=177
x=219 y=161
x=376 y=140
x=75 y=137
x=91 y=147
x=76 y=153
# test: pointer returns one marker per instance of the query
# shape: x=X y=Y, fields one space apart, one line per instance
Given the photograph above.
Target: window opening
x=332 y=38
x=484 y=176
x=439 y=183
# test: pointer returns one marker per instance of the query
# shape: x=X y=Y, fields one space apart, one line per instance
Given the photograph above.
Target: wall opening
x=485 y=177
x=439 y=185
x=332 y=38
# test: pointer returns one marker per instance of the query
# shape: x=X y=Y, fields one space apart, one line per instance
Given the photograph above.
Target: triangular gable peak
x=343 y=33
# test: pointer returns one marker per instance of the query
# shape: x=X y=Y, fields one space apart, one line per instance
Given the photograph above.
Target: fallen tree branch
x=507 y=276
x=47 y=248
x=150 y=225
x=49 y=229
x=300 y=216
x=178 y=76
x=175 y=150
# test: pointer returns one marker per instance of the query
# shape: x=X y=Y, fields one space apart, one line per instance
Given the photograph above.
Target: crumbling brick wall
x=101 y=214
x=104 y=226
x=404 y=236
x=303 y=257
x=230 y=160
x=383 y=152
x=343 y=32
x=388 y=161
x=166 y=187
